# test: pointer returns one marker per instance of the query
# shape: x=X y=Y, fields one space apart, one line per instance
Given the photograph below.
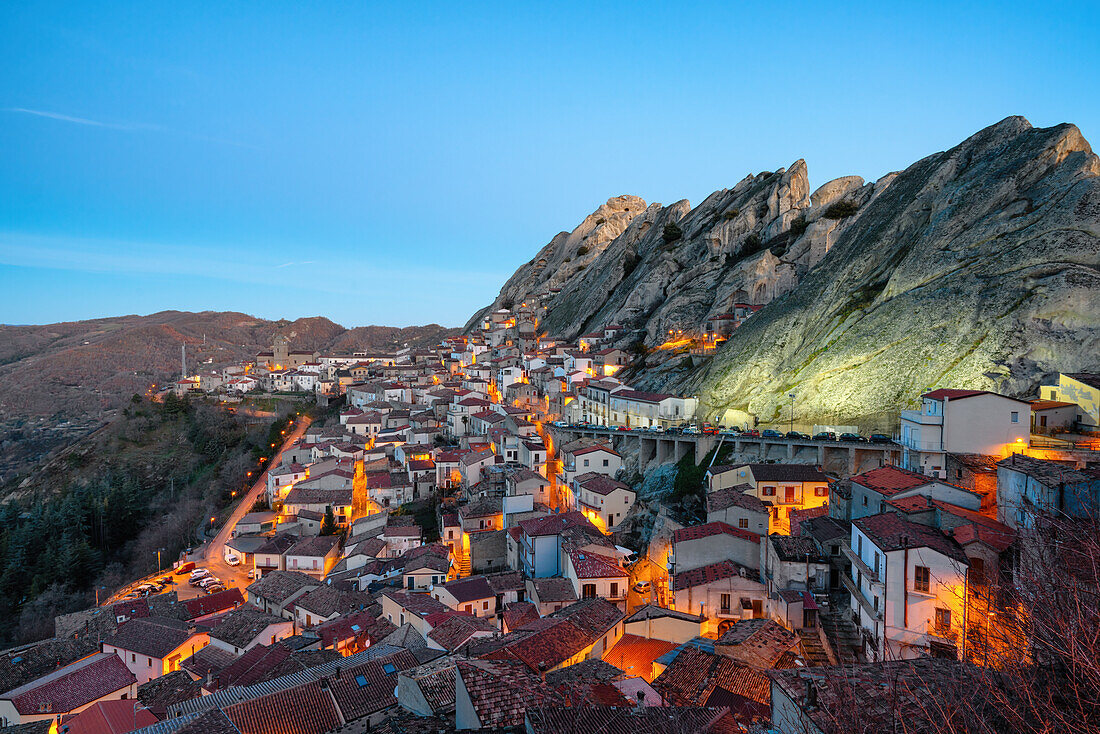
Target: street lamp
x=791 y=396
x=159 y=551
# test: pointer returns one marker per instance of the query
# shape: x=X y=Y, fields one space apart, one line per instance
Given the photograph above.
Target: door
x=789 y=492
x=757 y=609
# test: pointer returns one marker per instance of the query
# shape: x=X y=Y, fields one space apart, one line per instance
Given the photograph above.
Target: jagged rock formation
x=977 y=266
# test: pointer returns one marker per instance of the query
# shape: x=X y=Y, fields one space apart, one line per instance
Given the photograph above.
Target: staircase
x=842 y=635
x=463 y=564
x=812 y=649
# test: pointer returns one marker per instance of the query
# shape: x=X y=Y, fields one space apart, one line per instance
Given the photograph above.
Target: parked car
x=210 y=581
x=852 y=438
x=214 y=588
x=188 y=551
x=751 y=433
x=710 y=430
x=881 y=438
x=825 y=436
x=798 y=436
x=769 y=433
x=642 y=587
x=690 y=431
x=233 y=559
x=184 y=568
x=251 y=573
x=622 y=428
x=675 y=429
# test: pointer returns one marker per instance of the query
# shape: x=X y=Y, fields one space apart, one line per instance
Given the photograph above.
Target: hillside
x=977 y=266
x=61 y=380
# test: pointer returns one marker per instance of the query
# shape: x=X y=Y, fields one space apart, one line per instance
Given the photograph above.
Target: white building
x=961 y=422
x=908 y=588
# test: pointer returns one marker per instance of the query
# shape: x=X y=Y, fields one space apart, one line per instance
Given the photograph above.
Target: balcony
x=915 y=416
x=851 y=555
x=850 y=585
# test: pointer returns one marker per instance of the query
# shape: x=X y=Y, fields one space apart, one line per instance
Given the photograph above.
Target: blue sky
x=393 y=164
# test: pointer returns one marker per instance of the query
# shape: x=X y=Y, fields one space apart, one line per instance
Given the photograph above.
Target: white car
x=251 y=573
x=199 y=573
x=209 y=581
x=233 y=559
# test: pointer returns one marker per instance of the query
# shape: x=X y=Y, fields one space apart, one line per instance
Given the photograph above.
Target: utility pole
x=791 y=396
x=183 y=361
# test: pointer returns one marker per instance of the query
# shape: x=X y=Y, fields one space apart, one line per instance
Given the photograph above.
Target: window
x=484 y=605
x=876 y=603
x=389 y=668
x=943 y=619
x=361 y=681
x=743 y=522
x=614 y=589
x=605 y=462
x=469 y=608
x=864 y=500
x=876 y=563
x=859 y=545
x=769 y=491
x=922 y=579
x=588 y=591
x=586 y=462
x=1015 y=417
x=821 y=491
x=725 y=604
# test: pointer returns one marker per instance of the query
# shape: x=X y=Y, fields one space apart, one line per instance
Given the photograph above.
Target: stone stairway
x=842 y=635
x=812 y=649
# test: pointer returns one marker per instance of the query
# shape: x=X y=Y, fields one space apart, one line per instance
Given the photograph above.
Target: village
x=466 y=545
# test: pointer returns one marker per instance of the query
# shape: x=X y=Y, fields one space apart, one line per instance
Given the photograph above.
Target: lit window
x=922 y=579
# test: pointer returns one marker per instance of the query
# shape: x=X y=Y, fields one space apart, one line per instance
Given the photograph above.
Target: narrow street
x=211 y=554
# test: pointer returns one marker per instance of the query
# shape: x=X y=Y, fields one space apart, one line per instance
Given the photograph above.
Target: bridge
x=654 y=448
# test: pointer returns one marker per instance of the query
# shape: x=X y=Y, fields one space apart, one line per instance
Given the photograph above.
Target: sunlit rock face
x=973 y=267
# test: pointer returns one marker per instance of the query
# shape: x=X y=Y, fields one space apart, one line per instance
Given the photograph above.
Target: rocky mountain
x=977 y=267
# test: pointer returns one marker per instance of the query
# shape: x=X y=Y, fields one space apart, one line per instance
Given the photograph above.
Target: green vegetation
x=840 y=210
x=671 y=233
x=731 y=213
x=582 y=250
x=753 y=244
x=97 y=518
x=798 y=226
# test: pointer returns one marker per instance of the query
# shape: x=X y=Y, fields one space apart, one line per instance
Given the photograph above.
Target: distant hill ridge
x=78 y=368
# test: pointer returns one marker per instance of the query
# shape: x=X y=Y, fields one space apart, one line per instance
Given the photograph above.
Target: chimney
x=337 y=675
x=811 y=694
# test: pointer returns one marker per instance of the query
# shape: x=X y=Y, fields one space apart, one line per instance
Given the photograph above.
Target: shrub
x=798 y=226
x=753 y=243
x=600 y=221
x=582 y=250
x=671 y=232
x=731 y=213
x=840 y=210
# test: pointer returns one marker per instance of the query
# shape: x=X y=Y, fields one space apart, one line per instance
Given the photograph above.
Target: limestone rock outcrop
x=978 y=266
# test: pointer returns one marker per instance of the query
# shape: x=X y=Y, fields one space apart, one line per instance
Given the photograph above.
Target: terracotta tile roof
x=915 y=503
x=324 y=601
x=151 y=636
x=798 y=516
x=108 y=717
x=952 y=394
x=209 y=659
x=596 y=616
x=436 y=681
x=506 y=581
x=456 y=630
x=634 y=655
x=502 y=691
x=735 y=497
x=72 y=686
x=592 y=669
x=551 y=590
x=694 y=674
x=890 y=531
x=623 y=719
x=710 y=529
x=363 y=626
x=708 y=574
x=889 y=480
x=222 y=601
x=364 y=689
x=519 y=613
x=252 y=666
x=419 y=604
x=758 y=642
x=157 y=694
x=796 y=548
x=588 y=565
x=544 y=644
x=471 y=588
x=484 y=507
x=306 y=709
x=999 y=540
x=602 y=484
x=553 y=524
x=241 y=626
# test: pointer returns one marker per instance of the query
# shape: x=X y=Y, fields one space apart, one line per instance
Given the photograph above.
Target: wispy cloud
x=291 y=264
x=123 y=126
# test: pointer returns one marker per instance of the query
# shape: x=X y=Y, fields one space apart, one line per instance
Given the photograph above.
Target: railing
x=859 y=563
x=915 y=416
x=857 y=594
